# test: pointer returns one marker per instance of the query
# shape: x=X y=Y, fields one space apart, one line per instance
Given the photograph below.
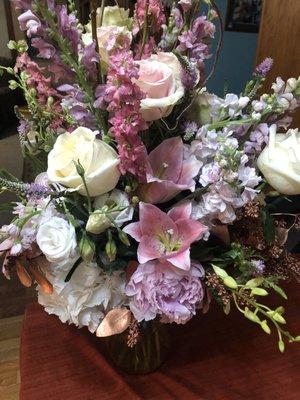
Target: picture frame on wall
x=243 y=15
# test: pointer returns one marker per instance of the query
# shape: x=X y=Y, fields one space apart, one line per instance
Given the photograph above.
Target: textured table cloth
x=214 y=356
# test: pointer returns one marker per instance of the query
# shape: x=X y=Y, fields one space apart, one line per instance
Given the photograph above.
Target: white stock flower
x=56 y=239
x=99 y=160
x=279 y=162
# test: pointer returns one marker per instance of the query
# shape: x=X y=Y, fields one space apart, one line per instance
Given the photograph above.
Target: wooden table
x=214 y=357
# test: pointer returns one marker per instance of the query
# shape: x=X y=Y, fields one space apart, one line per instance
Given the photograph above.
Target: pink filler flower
x=166 y=236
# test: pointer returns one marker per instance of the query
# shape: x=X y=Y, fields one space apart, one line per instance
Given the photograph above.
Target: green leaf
x=6 y=207
x=278 y=290
x=72 y=270
x=269 y=226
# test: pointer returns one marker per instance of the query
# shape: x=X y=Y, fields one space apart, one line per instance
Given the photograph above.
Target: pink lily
x=169 y=171
x=166 y=236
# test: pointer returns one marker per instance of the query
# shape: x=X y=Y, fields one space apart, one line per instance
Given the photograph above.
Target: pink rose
x=159 y=79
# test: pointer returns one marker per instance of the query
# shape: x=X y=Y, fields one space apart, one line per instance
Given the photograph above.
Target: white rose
x=114 y=16
x=279 y=162
x=159 y=79
x=99 y=160
x=57 y=240
x=118 y=207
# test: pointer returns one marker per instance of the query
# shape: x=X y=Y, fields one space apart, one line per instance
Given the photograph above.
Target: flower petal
x=170 y=153
x=154 y=221
x=182 y=211
x=134 y=230
x=190 y=230
x=181 y=260
x=149 y=248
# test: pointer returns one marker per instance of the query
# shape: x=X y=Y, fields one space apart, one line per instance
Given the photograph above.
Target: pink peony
x=169 y=171
x=166 y=236
x=157 y=288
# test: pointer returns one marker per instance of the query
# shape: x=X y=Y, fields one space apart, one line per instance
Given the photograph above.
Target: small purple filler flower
x=161 y=289
x=264 y=67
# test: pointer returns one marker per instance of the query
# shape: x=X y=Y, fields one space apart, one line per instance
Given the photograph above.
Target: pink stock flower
x=166 y=236
x=123 y=97
x=155 y=11
x=170 y=169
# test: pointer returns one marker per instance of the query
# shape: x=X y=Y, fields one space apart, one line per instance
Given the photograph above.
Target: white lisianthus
x=86 y=298
x=279 y=162
x=159 y=78
x=99 y=160
x=116 y=205
x=56 y=239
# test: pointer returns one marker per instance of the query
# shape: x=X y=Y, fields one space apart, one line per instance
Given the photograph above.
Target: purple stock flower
x=68 y=27
x=264 y=67
x=23 y=128
x=259 y=266
x=89 y=59
x=46 y=50
x=100 y=94
x=258 y=138
x=30 y=23
x=37 y=191
x=195 y=39
x=160 y=289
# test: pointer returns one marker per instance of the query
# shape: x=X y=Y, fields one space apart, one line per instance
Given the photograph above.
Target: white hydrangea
x=86 y=298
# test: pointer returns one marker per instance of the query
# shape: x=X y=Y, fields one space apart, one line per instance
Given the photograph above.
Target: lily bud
x=281 y=346
x=265 y=327
x=230 y=282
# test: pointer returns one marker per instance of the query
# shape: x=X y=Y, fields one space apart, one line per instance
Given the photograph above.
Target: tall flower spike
x=123 y=97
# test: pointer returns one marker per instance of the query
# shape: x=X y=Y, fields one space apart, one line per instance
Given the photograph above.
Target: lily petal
x=149 y=248
x=181 y=260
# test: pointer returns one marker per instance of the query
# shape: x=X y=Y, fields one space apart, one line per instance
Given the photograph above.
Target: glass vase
x=146 y=355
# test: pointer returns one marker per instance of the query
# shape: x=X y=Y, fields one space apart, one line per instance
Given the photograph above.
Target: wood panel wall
x=279 y=38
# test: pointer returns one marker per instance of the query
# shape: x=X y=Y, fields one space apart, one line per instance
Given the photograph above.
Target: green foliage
x=245 y=299
x=238 y=257
x=269 y=226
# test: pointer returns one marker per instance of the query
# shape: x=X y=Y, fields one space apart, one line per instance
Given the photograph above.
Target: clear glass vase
x=146 y=355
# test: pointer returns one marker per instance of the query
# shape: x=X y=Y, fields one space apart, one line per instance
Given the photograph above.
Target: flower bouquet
x=151 y=196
